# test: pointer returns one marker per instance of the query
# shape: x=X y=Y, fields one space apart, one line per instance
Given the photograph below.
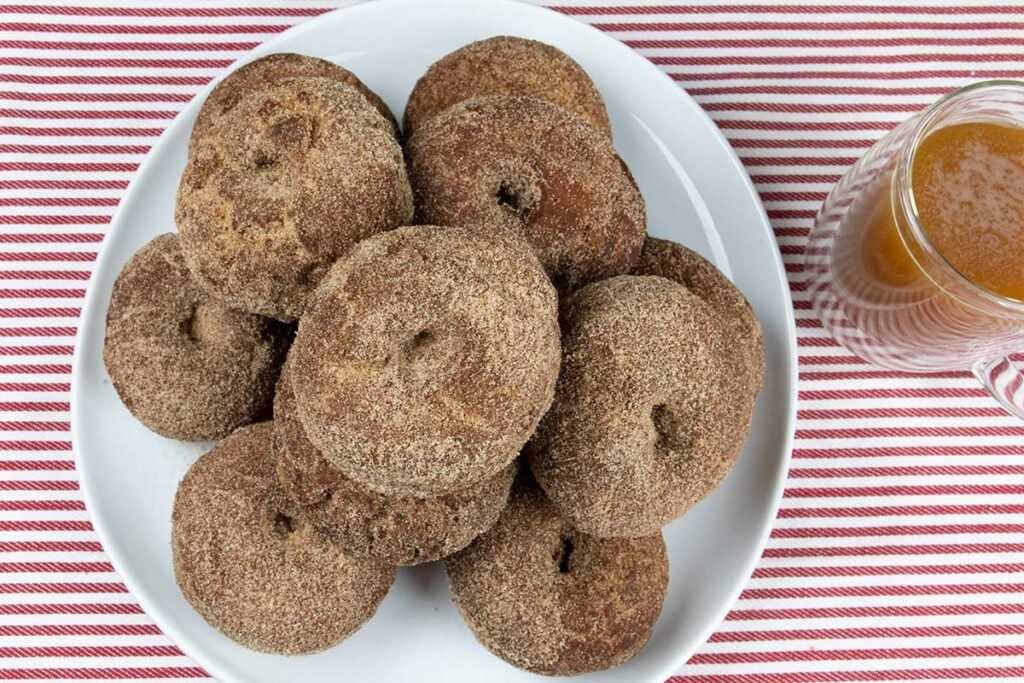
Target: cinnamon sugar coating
x=267 y=72
x=253 y=567
x=286 y=182
x=655 y=397
x=553 y=600
x=185 y=366
x=505 y=65
x=529 y=166
x=391 y=529
x=427 y=357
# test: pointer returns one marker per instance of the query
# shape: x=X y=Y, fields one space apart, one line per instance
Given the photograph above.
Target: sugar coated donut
x=427 y=357
x=655 y=397
x=254 y=568
x=551 y=599
x=185 y=366
x=267 y=72
x=527 y=165
x=286 y=182
x=505 y=65
x=389 y=529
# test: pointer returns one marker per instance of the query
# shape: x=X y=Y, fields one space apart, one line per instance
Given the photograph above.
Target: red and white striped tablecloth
x=898 y=553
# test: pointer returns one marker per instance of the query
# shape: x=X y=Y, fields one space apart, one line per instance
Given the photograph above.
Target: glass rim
x=903 y=190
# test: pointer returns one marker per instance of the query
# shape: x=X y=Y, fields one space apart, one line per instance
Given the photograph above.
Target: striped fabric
x=899 y=549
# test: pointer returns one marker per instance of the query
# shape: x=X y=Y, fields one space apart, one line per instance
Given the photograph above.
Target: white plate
x=697 y=193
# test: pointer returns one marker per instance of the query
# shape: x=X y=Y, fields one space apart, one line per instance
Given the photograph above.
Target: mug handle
x=1004 y=382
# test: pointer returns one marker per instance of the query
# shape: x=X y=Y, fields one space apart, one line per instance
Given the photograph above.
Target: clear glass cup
x=916 y=313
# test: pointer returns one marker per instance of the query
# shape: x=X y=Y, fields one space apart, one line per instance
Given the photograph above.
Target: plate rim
x=788 y=377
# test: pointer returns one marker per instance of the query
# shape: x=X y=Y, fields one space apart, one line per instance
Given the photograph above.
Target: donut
x=655 y=397
x=548 y=598
x=426 y=358
x=185 y=366
x=254 y=568
x=267 y=72
x=527 y=165
x=387 y=529
x=505 y=65
x=285 y=183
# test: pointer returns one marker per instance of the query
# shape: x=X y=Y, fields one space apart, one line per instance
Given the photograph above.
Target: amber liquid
x=879 y=292
x=968 y=185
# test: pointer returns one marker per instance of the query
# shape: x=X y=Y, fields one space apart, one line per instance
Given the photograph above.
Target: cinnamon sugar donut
x=286 y=182
x=505 y=65
x=254 y=568
x=426 y=358
x=526 y=165
x=389 y=529
x=553 y=600
x=185 y=366
x=267 y=72
x=655 y=397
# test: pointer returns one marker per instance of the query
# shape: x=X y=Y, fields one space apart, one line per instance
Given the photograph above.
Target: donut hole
x=669 y=432
x=517 y=193
x=283 y=524
x=562 y=556
x=263 y=160
x=414 y=349
x=199 y=325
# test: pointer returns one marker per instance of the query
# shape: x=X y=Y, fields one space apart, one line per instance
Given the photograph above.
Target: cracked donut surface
x=288 y=181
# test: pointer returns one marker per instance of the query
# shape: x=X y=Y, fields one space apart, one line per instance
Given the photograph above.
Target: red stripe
x=39 y=312
x=36 y=386
x=44 y=525
x=900 y=511
x=50 y=79
x=973 y=673
x=51 y=238
x=875 y=551
x=37 y=350
x=910 y=392
x=817 y=43
x=71 y=608
x=873 y=611
x=63 y=184
x=35 y=406
x=55 y=567
x=858 y=654
x=903 y=530
x=60 y=588
x=34 y=426
x=40 y=293
x=790 y=9
x=87 y=132
x=907 y=58
x=32 y=630
x=35 y=446
x=932 y=490
x=48 y=369
x=861 y=413
x=76 y=149
x=879 y=591
x=893 y=570
x=44 y=275
x=45 y=485
x=163 y=29
x=50 y=220
x=42 y=506
x=93 y=651
x=924 y=451
x=243 y=46
x=68 y=166
x=37 y=332
x=764 y=26
x=146 y=114
x=877 y=632
x=887 y=75
x=884 y=432
x=90 y=11
x=120 y=673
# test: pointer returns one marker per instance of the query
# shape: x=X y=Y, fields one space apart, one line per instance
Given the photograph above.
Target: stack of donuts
x=458 y=344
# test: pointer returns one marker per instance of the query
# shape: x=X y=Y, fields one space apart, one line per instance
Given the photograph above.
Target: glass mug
x=881 y=287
